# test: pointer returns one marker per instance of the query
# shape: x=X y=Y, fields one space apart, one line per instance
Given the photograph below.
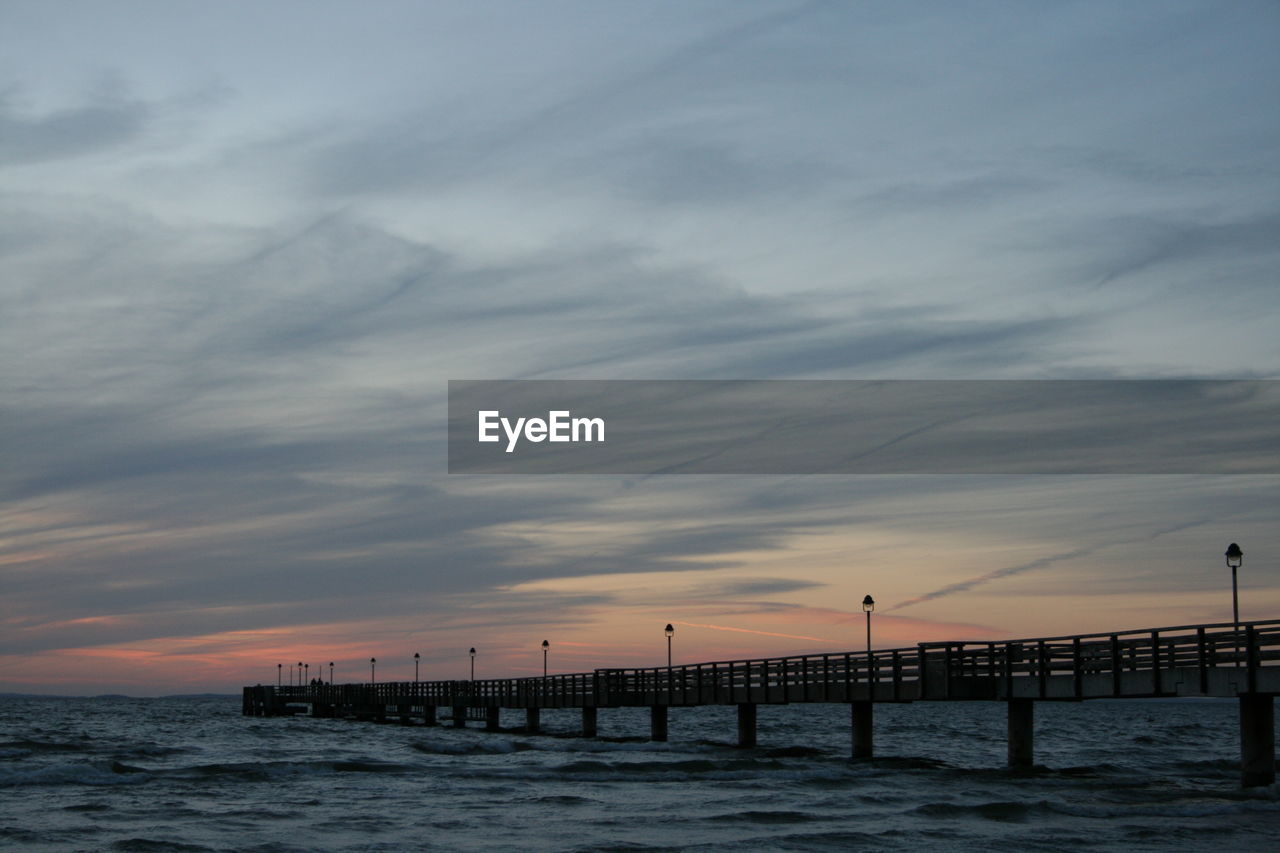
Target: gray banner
x=864 y=427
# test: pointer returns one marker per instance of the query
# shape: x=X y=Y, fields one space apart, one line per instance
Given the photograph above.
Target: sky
x=245 y=246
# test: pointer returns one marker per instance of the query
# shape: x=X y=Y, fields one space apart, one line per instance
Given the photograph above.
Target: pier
x=1216 y=660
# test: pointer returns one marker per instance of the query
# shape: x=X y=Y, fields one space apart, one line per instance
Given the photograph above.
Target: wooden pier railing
x=1134 y=664
x=1220 y=660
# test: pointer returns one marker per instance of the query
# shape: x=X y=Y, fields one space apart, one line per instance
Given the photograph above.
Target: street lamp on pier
x=670 y=632
x=299 y=673
x=416 y=657
x=545 y=646
x=473 y=663
x=279 y=675
x=373 y=668
x=868 y=605
x=307 y=679
x=331 y=672
x=1235 y=558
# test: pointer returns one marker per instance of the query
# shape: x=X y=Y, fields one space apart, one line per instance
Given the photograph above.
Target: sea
x=193 y=774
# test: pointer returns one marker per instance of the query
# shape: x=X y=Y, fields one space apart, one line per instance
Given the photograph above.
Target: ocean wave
x=369 y=767
x=117 y=772
x=270 y=770
x=687 y=767
x=77 y=773
x=765 y=816
x=493 y=747
x=152 y=750
x=559 y=800
x=30 y=745
x=1005 y=811
x=146 y=845
x=568 y=745
x=1193 y=809
x=1205 y=764
x=908 y=762
x=794 y=752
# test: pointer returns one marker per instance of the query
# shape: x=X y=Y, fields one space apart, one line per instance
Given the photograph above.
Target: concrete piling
x=746 y=724
x=658 y=722
x=1021 y=732
x=861 y=717
x=1257 y=739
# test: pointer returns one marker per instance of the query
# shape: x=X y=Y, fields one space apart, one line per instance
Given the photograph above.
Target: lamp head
x=545 y=644
x=868 y=604
x=473 y=651
x=1234 y=556
x=669 y=631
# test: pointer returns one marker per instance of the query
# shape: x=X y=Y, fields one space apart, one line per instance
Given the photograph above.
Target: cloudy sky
x=244 y=246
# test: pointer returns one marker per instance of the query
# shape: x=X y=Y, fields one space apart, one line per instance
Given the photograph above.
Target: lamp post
x=373 y=668
x=299 y=673
x=545 y=646
x=670 y=632
x=307 y=679
x=473 y=663
x=1235 y=558
x=331 y=672
x=279 y=675
x=868 y=605
x=416 y=657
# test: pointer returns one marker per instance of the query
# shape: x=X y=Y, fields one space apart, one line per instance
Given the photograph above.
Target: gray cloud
x=1151 y=244
x=64 y=134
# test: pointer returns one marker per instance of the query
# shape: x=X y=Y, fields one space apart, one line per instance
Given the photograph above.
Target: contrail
x=964 y=585
x=750 y=631
x=990 y=576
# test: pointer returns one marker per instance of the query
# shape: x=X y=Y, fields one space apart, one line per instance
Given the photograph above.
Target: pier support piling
x=588 y=721
x=1021 y=732
x=861 y=717
x=658 y=722
x=1257 y=740
x=491 y=718
x=532 y=720
x=746 y=724
x=459 y=716
x=428 y=715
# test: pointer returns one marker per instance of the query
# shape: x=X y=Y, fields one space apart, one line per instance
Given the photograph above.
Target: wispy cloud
x=753 y=631
x=226 y=323
x=100 y=125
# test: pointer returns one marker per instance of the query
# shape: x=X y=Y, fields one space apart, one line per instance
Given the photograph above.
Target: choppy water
x=193 y=774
